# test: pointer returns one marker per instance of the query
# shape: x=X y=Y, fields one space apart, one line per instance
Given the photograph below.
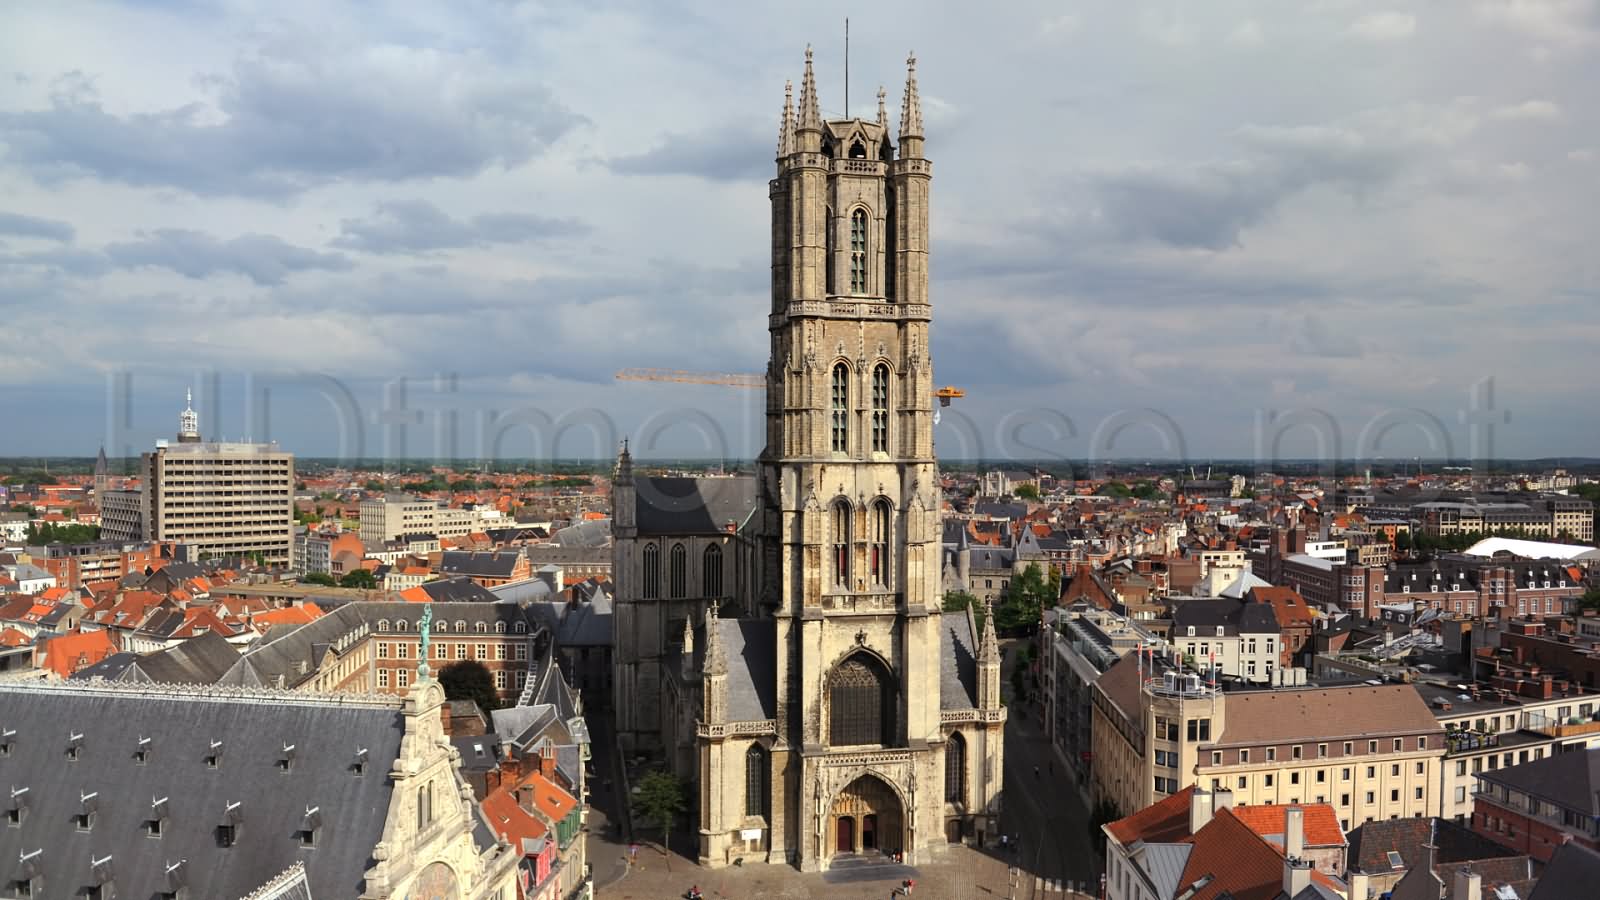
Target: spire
x=810 y=117
x=989 y=644
x=102 y=467
x=688 y=647
x=786 y=127
x=883 y=115
x=716 y=658
x=911 y=104
x=624 y=464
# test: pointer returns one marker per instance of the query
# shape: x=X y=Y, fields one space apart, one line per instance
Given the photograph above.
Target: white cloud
x=1384 y=26
x=1529 y=109
x=1563 y=22
x=1584 y=155
x=1246 y=34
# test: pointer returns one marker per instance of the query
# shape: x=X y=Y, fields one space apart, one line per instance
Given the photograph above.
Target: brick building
x=1538 y=806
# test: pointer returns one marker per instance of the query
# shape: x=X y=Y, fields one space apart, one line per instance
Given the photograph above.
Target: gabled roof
x=1320 y=825
x=1318 y=713
x=1572 y=873
x=480 y=565
x=1163 y=822
x=958 y=662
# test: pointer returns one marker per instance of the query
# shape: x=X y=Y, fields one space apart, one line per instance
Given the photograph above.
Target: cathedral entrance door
x=874 y=807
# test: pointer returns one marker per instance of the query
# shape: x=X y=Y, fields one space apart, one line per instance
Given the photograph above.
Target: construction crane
x=728 y=379
x=948 y=393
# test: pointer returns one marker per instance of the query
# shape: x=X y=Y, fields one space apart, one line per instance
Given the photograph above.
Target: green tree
x=1591 y=598
x=1114 y=489
x=359 y=578
x=470 y=680
x=660 y=797
x=1026 y=492
x=48 y=533
x=1147 y=490
x=1026 y=597
x=322 y=578
x=375 y=486
x=956 y=601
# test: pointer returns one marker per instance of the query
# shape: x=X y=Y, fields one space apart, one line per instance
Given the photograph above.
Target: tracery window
x=711 y=578
x=858 y=251
x=878 y=529
x=652 y=572
x=955 y=768
x=880 y=408
x=755 y=781
x=859 y=703
x=841 y=408
x=677 y=571
x=840 y=535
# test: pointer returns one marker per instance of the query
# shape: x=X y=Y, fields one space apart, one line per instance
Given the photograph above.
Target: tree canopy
x=359 y=578
x=470 y=680
x=660 y=797
x=1026 y=597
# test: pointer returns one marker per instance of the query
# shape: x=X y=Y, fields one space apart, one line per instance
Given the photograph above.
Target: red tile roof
x=1165 y=822
x=1321 y=825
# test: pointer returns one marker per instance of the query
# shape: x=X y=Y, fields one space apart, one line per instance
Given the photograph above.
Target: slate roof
x=480 y=565
x=1571 y=780
x=1235 y=616
x=1371 y=842
x=693 y=505
x=459 y=589
x=958 y=662
x=750 y=646
x=1571 y=874
x=203 y=659
x=253 y=728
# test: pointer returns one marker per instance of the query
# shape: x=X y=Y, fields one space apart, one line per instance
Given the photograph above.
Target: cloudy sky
x=1181 y=224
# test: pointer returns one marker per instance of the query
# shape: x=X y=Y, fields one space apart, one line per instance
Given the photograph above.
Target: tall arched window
x=955 y=768
x=880 y=408
x=840 y=536
x=858 y=251
x=841 y=408
x=677 y=573
x=651 y=588
x=755 y=781
x=878 y=526
x=711 y=578
x=829 y=285
x=860 y=703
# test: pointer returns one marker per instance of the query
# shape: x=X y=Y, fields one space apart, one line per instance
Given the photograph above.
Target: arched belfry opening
x=861 y=702
x=866 y=817
x=858 y=149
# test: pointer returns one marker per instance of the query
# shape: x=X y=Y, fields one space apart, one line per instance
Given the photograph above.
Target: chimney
x=1294 y=832
x=1199 y=809
x=1222 y=798
x=1360 y=886
x=1468 y=885
x=1296 y=876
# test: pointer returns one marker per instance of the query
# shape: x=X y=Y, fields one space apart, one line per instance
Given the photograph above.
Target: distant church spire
x=911 y=104
x=188 y=421
x=810 y=115
x=786 y=127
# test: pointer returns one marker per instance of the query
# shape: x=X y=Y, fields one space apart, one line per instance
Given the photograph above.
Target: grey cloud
x=291 y=120
x=725 y=154
x=417 y=226
x=34 y=227
x=1209 y=206
x=264 y=259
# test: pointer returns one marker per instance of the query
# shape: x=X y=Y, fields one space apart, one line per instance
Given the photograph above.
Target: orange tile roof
x=289 y=615
x=549 y=798
x=1165 y=822
x=1321 y=825
x=13 y=638
x=510 y=821
x=71 y=652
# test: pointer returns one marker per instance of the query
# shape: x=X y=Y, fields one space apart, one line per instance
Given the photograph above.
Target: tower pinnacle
x=911 y=104
x=786 y=127
x=883 y=115
x=716 y=659
x=989 y=644
x=810 y=116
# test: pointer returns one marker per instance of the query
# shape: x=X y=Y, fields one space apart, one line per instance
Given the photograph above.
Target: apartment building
x=1370 y=751
x=75 y=565
x=1236 y=638
x=1081 y=644
x=221 y=498
x=1487 y=730
x=393 y=515
x=1536 y=807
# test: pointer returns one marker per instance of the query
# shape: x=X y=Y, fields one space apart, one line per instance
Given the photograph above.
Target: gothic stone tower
x=850 y=485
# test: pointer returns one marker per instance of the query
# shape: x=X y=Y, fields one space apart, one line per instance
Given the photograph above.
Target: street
x=1044 y=812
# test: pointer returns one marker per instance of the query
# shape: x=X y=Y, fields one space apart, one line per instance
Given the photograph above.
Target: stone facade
x=842 y=712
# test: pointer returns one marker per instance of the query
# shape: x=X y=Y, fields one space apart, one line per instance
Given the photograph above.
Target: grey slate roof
x=587 y=533
x=1569 y=779
x=459 y=589
x=480 y=565
x=986 y=557
x=750 y=646
x=958 y=662
x=203 y=659
x=693 y=505
x=182 y=724
x=1571 y=874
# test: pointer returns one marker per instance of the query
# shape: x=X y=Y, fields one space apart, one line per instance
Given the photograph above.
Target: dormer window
x=74 y=743
x=359 y=766
x=141 y=755
x=1191 y=631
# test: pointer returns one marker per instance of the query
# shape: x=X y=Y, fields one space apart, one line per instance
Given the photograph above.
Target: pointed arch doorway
x=866 y=818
